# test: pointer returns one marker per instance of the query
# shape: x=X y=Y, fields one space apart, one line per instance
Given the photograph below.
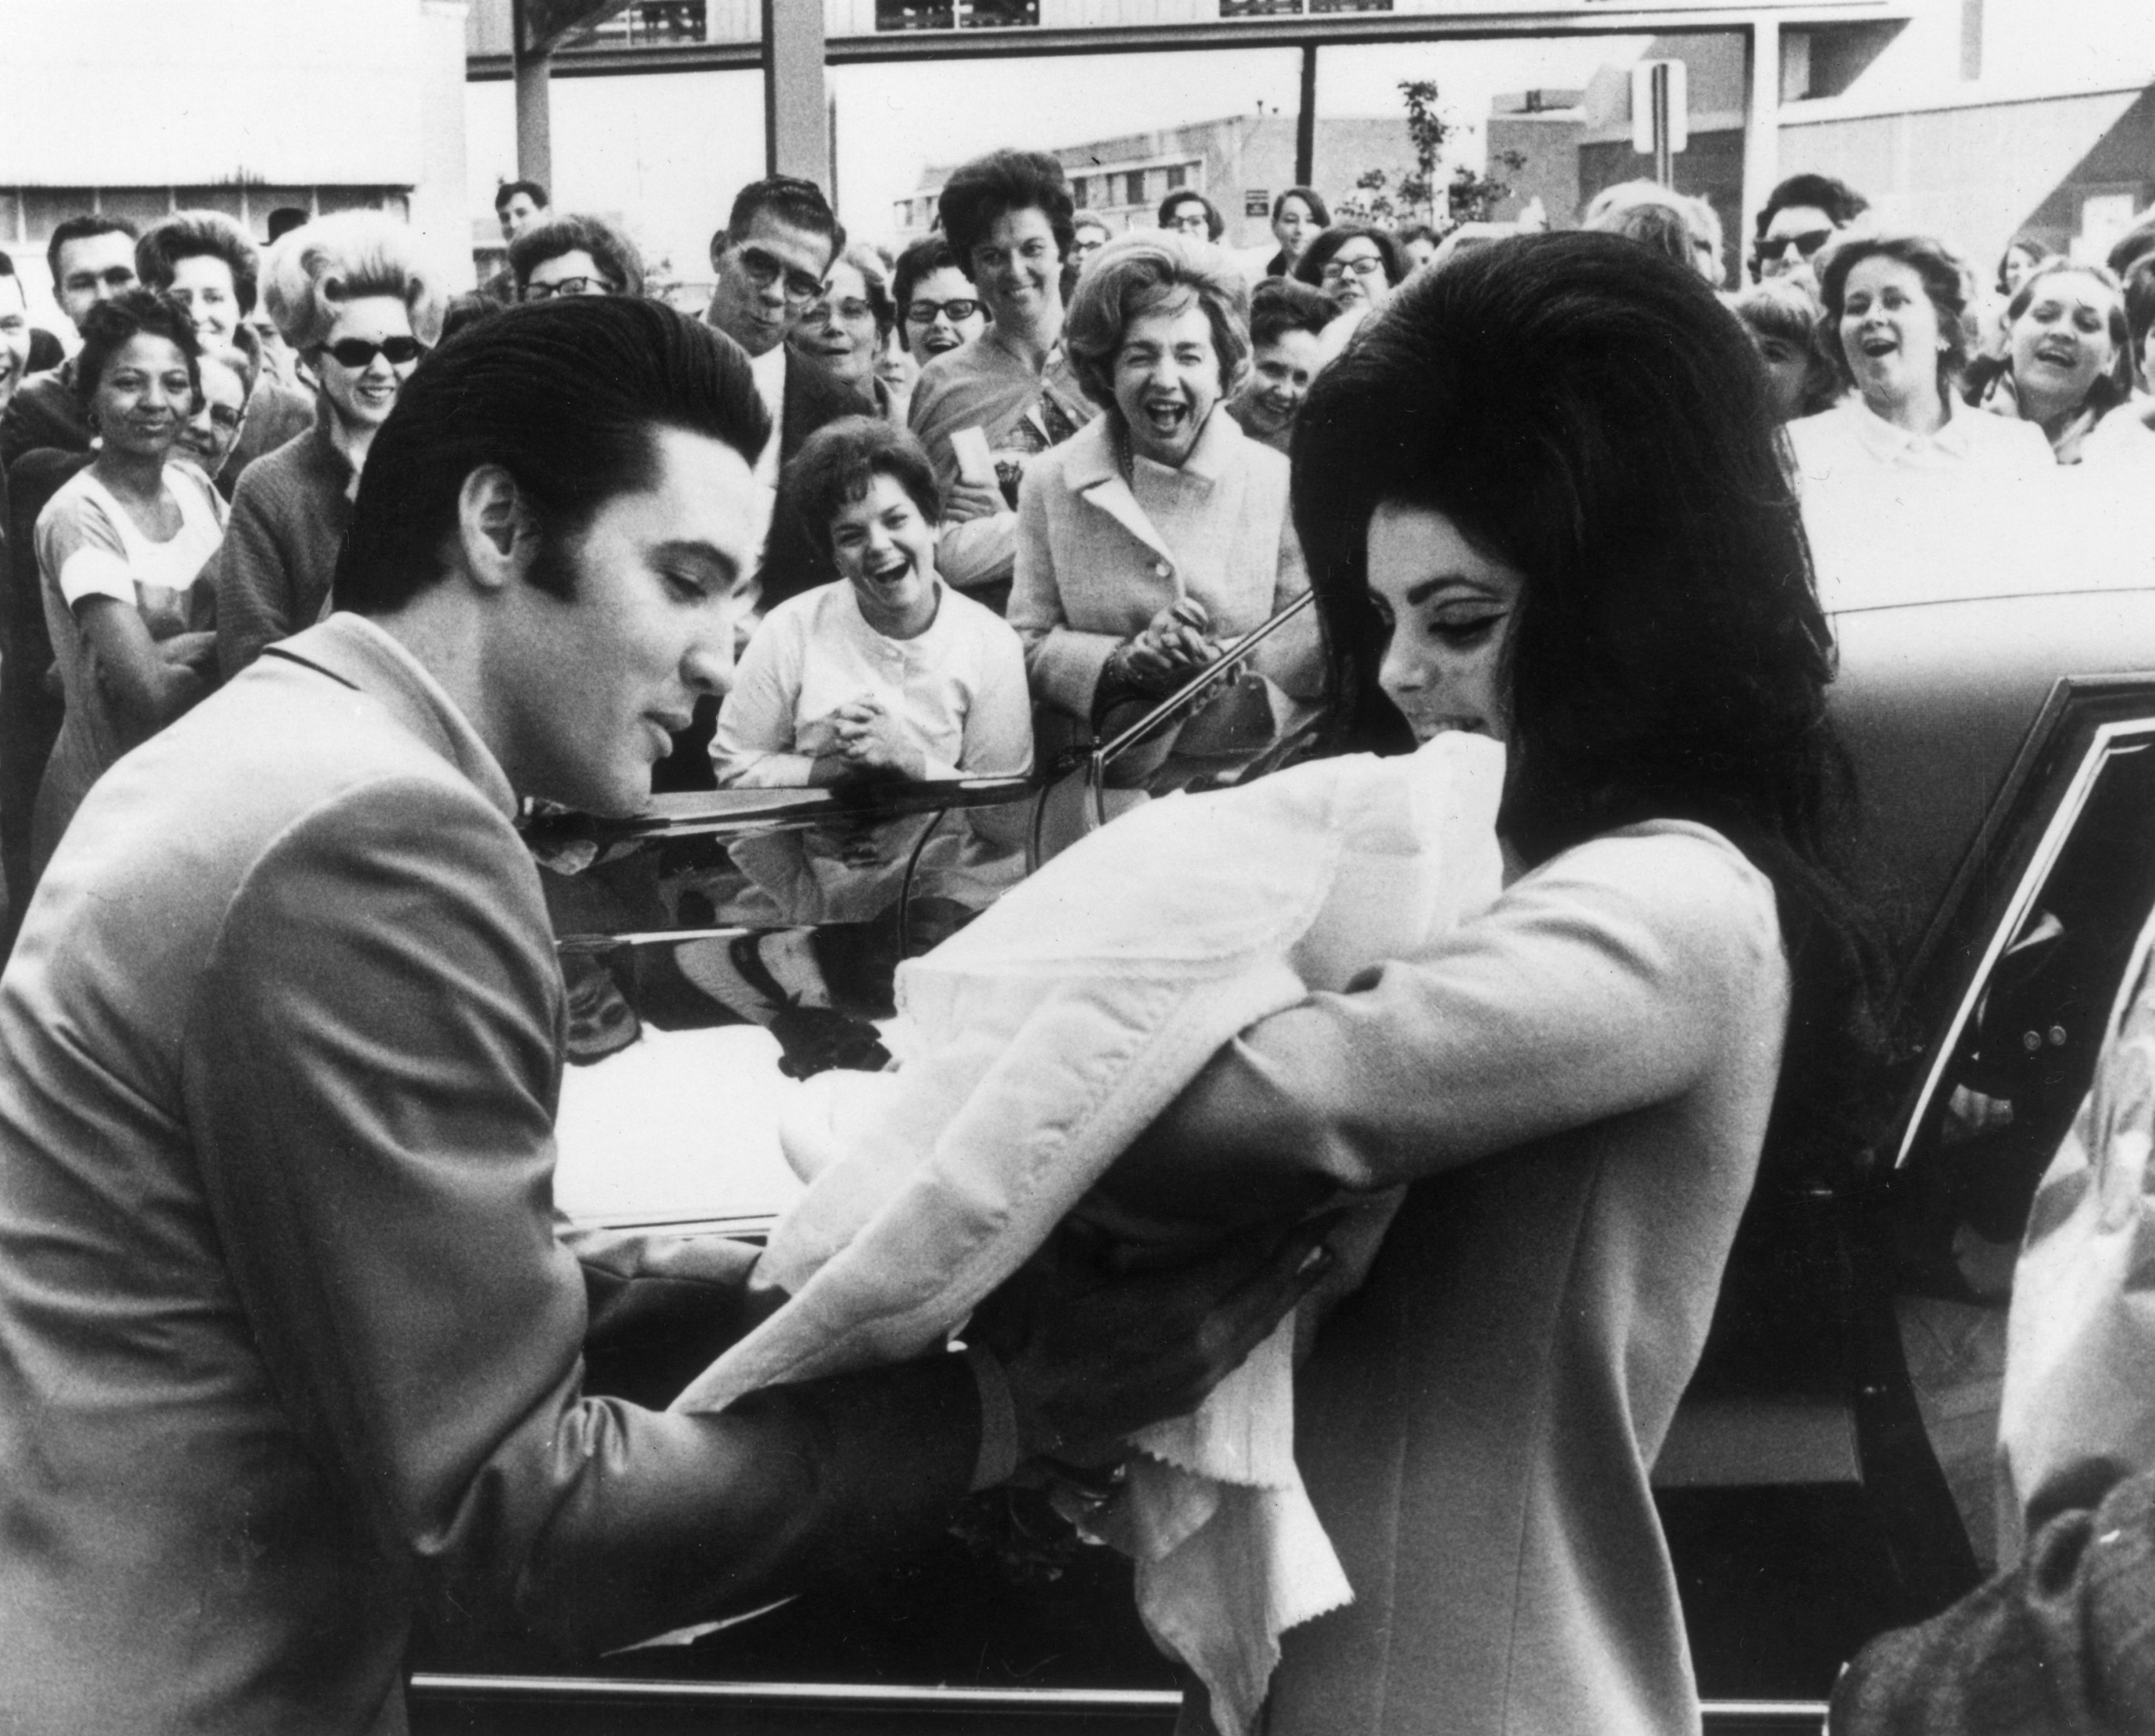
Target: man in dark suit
x=289 y=1349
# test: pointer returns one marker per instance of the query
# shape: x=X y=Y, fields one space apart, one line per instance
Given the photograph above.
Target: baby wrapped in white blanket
x=1047 y=1036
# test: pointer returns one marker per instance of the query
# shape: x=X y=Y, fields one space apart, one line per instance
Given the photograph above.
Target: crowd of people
x=952 y=511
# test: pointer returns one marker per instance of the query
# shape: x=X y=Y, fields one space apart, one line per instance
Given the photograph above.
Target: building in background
x=1240 y=163
x=1981 y=121
x=141 y=107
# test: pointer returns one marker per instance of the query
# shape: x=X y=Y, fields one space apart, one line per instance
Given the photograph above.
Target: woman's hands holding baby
x=1093 y=1354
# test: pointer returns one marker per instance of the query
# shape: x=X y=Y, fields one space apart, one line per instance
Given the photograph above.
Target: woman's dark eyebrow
x=1422 y=589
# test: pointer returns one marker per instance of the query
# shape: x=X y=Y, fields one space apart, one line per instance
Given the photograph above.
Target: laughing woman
x=888 y=674
x=1159 y=531
x=2067 y=365
x=1896 y=322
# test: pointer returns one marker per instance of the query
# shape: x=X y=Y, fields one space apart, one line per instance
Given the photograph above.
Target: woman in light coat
x=1159 y=531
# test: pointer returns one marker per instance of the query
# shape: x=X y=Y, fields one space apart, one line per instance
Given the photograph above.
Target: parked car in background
x=1828 y=1474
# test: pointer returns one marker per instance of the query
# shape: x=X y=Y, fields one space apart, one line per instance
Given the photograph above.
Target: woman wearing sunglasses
x=354 y=300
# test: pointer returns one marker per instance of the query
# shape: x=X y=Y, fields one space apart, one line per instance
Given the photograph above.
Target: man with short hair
x=769 y=262
x=1799 y=216
x=92 y=259
x=289 y=1349
x=517 y=205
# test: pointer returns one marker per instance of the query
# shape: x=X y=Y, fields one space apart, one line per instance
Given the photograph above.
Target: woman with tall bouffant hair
x=1541 y=500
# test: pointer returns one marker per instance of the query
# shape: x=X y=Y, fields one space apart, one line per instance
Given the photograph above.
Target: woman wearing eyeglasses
x=354 y=300
x=123 y=548
x=939 y=311
x=1357 y=265
x=846 y=332
x=574 y=255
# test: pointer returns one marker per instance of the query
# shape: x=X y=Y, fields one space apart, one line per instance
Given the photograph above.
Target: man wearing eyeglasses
x=770 y=258
x=1801 y=216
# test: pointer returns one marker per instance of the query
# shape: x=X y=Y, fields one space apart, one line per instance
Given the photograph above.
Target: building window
x=1178 y=175
x=955 y=14
x=1258 y=8
x=650 y=21
x=1256 y=202
x=1081 y=191
x=1317 y=6
x=1136 y=195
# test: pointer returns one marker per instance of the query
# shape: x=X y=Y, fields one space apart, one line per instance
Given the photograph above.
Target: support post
x=1762 y=122
x=535 y=129
x=1305 y=121
x=795 y=139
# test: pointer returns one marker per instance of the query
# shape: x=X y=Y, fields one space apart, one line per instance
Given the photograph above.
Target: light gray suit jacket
x=289 y=1348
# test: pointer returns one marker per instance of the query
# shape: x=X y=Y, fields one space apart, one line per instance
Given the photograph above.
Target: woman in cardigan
x=1525 y=490
x=353 y=298
x=1160 y=531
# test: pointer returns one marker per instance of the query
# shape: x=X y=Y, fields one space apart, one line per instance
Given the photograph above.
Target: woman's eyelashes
x=1463 y=626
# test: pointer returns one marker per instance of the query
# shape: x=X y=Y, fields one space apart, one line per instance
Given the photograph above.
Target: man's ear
x=720 y=243
x=497 y=531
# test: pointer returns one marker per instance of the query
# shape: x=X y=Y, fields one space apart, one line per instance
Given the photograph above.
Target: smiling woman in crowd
x=355 y=301
x=2067 y=364
x=573 y=254
x=1896 y=322
x=887 y=673
x=982 y=410
x=939 y=311
x=207 y=263
x=1298 y=214
x=1161 y=531
x=1525 y=490
x=122 y=550
x=1286 y=333
x=847 y=331
x=1357 y=264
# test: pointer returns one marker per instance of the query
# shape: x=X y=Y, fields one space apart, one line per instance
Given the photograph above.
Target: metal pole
x=794 y=139
x=1305 y=121
x=1665 y=168
x=1761 y=121
x=534 y=130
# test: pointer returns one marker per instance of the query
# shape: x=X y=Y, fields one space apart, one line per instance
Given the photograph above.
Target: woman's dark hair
x=838 y=463
x=1840 y=203
x=1216 y=225
x=2036 y=251
x=1310 y=197
x=2140 y=305
x=566 y=398
x=612 y=251
x=1945 y=280
x=108 y=326
x=196 y=235
x=1309 y=268
x=1280 y=305
x=984 y=189
x=1586 y=412
x=2105 y=392
x=921 y=259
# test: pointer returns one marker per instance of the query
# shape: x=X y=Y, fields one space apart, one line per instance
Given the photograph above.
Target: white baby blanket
x=1046 y=1035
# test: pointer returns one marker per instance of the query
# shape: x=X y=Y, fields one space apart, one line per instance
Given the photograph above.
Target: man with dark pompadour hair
x=290 y=1351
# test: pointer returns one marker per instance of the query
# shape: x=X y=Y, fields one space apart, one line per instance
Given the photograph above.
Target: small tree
x=1427 y=131
x=1472 y=199
x=1371 y=201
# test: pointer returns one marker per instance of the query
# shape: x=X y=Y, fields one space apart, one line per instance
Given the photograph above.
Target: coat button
x=1159 y=569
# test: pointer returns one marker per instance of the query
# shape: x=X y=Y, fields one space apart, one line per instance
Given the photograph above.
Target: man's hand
x=1092 y=1356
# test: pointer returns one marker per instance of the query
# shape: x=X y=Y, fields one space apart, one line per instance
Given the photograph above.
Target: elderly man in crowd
x=289 y=1350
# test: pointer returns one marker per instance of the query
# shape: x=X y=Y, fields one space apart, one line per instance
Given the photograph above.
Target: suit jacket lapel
x=1095 y=475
